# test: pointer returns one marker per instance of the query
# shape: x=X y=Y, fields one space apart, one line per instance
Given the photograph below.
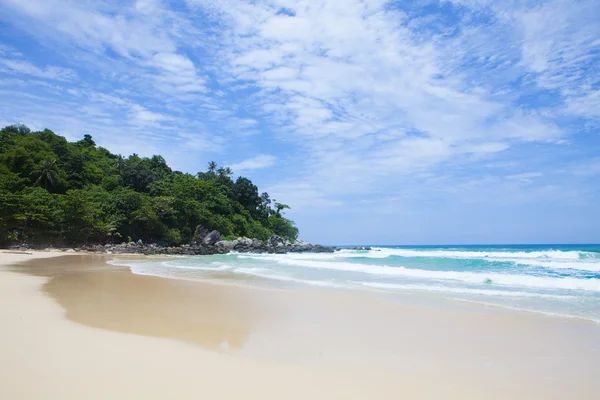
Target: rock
x=322 y=249
x=243 y=242
x=276 y=241
x=210 y=244
x=200 y=234
x=226 y=244
x=212 y=238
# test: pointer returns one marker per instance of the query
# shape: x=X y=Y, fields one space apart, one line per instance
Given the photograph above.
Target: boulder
x=226 y=244
x=200 y=234
x=244 y=241
x=276 y=241
x=242 y=244
x=212 y=238
x=257 y=244
x=322 y=249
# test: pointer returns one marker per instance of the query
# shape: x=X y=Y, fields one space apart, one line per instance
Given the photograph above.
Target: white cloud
x=525 y=177
x=146 y=36
x=366 y=94
x=587 y=168
x=26 y=68
x=587 y=105
x=177 y=73
x=141 y=116
x=257 y=162
x=351 y=84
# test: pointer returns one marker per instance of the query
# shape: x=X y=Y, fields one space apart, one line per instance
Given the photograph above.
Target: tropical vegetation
x=58 y=192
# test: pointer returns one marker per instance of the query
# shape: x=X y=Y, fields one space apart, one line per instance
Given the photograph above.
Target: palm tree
x=120 y=163
x=224 y=172
x=46 y=174
x=212 y=166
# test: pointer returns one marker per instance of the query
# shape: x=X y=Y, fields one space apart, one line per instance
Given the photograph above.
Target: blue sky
x=416 y=122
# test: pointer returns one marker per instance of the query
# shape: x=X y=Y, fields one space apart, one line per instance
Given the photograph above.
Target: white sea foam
x=477 y=278
x=265 y=273
x=384 y=252
x=216 y=266
x=468 y=277
x=555 y=264
x=517 y=255
x=517 y=285
x=466 y=291
x=546 y=259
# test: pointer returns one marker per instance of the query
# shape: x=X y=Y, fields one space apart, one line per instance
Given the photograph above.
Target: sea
x=558 y=280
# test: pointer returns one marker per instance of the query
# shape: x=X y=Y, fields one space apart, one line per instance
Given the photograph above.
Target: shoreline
x=439 y=297
x=340 y=335
x=433 y=297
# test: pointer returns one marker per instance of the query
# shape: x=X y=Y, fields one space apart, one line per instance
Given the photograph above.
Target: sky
x=378 y=122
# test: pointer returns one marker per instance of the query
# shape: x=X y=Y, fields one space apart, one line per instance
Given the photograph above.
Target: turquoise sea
x=562 y=280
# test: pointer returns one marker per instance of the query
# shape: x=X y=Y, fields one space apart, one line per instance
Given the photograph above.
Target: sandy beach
x=75 y=327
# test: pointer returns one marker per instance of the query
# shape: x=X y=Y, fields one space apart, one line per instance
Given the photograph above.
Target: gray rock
x=200 y=234
x=212 y=238
x=276 y=241
x=257 y=244
x=226 y=244
x=244 y=242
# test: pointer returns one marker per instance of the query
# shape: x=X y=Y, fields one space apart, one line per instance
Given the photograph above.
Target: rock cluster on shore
x=208 y=243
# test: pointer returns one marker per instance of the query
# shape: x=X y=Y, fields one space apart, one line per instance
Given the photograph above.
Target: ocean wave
x=554 y=259
x=555 y=264
x=467 y=277
x=377 y=252
x=146 y=267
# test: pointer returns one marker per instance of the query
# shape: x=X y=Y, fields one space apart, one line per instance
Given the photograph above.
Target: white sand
x=44 y=355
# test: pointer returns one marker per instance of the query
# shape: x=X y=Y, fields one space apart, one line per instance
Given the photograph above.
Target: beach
x=76 y=327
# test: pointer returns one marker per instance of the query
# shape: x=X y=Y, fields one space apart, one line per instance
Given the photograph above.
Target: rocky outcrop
x=154 y=249
x=207 y=243
x=275 y=244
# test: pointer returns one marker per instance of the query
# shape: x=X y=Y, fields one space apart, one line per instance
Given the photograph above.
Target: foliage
x=55 y=191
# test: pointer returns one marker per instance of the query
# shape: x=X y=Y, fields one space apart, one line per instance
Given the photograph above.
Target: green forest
x=57 y=192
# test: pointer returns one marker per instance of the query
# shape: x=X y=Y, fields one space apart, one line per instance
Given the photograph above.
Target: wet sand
x=80 y=328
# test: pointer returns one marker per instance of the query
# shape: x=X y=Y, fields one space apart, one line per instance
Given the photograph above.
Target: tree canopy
x=58 y=192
